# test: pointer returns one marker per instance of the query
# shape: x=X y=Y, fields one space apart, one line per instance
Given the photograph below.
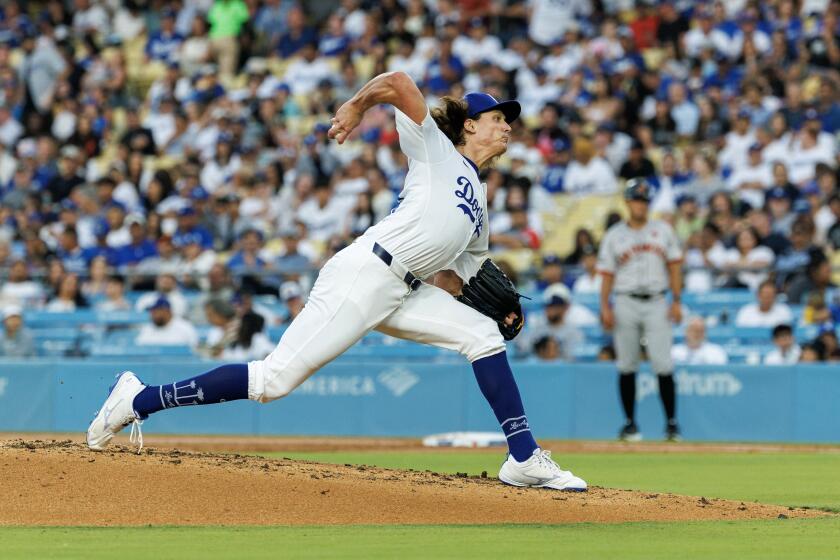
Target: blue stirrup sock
x=225 y=383
x=495 y=379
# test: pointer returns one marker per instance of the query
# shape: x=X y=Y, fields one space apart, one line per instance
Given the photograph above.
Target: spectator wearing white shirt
x=161 y=122
x=90 y=17
x=737 y=142
x=787 y=351
x=477 y=45
x=704 y=260
x=703 y=35
x=767 y=312
x=778 y=149
x=696 y=350
x=323 y=214
x=19 y=288
x=10 y=129
x=590 y=281
x=535 y=90
x=562 y=59
x=587 y=173
x=166 y=329
x=751 y=180
x=114 y=295
x=748 y=262
x=408 y=60
x=685 y=113
x=810 y=147
x=304 y=74
x=550 y=19
x=166 y=288
x=748 y=31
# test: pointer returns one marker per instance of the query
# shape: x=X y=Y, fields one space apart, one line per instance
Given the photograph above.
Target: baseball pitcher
x=640 y=260
x=386 y=280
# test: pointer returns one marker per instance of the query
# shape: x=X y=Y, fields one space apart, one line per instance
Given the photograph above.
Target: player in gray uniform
x=640 y=260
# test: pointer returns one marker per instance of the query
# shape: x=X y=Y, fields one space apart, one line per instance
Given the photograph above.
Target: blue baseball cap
x=478 y=103
x=159 y=303
x=199 y=193
x=550 y=260
x=561 y=145
x=810 y=188
x=778 y=193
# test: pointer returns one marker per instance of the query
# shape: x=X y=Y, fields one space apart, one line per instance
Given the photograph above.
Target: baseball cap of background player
x=557 y=294
x=478 y=103
x=637 y=189
x=159 y=303
x=290 y=290
x=12 y=310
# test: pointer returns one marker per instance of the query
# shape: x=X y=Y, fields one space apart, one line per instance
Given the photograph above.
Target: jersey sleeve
x=606 y=255
x=467 y=264
x=422 y=142
x=673 y=250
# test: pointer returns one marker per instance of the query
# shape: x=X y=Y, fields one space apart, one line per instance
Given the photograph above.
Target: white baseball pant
x=356 y=292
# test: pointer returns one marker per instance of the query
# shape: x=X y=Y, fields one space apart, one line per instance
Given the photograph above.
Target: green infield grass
x=783 y=539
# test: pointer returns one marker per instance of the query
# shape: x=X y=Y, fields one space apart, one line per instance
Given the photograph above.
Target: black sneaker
x=672 y=432
x=630 y=432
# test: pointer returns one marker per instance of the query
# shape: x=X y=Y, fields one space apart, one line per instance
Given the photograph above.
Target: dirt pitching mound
x=62 y=483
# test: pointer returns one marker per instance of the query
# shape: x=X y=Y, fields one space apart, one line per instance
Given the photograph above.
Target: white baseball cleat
x=117 y=413
x=539 y=471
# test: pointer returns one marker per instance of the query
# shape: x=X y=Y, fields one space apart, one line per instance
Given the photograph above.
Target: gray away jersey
x=638 y=257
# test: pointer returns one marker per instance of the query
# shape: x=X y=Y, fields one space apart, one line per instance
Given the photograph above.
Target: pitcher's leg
x=432 y=316
x=347 y=301
x=353 y=293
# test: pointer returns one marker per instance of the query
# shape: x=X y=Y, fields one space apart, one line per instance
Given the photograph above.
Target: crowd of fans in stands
x=180 y=145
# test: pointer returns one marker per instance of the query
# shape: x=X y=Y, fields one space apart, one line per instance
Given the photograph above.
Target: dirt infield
x=62 y=483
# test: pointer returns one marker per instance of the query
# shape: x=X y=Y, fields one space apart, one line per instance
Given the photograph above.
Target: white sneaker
x=539 y=471
x=117 y=413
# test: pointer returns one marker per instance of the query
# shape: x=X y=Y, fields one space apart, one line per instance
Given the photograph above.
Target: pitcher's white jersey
x=441 y=221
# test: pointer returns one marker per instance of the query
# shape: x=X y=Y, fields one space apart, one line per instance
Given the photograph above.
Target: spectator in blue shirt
x=140 y=248
x=444 y=70
x=101 y=248
x=270 y=21
x=685 y=113
x=164 y=44
x=69 y=252
x=558 y=161
x=298 y=35
x=247 y=258
x=189 y=231
x=335 y=41
x=828 y=106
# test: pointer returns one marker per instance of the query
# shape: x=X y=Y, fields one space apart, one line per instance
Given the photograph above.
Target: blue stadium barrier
x=399 y=398
x=145 y=352
x=42 y=319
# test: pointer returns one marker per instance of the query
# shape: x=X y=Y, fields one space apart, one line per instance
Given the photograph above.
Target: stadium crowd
x=176 y=151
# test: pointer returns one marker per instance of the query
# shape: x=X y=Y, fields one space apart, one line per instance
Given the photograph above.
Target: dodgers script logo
x=472 y=208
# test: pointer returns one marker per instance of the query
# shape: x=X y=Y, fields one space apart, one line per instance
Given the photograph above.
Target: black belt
x=644 y=297
x=412 y=281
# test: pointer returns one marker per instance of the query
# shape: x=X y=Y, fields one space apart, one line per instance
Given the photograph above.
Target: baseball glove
x=491 y=293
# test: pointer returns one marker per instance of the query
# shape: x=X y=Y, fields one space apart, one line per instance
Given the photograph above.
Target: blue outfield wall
x=735 y=403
